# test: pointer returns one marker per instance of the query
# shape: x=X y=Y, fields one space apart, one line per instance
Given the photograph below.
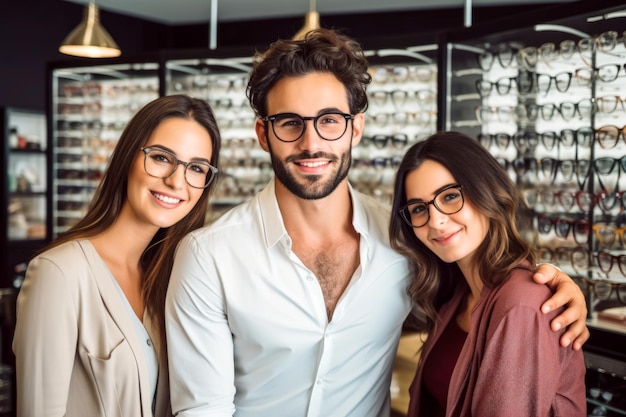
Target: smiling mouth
x=313 y=164
x=166 y=199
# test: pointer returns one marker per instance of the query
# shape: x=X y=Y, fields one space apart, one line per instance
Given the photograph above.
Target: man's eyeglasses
x=160 y=163
x=289 y=127
x=449 y=200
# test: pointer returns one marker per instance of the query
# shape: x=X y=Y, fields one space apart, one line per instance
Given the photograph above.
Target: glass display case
x=90 y=108
x=25 y=188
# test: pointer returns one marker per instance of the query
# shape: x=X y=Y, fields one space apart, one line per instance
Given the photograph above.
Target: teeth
x=313 y=164
x=166 y=199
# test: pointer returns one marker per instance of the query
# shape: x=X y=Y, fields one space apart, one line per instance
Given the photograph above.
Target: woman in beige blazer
x=89 y=339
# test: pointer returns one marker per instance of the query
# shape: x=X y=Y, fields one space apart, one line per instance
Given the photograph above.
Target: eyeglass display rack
x=547 y=100
x=24 y=214
x=90 y=106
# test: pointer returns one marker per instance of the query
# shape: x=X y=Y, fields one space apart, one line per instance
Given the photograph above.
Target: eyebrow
x=438 y=190
x=165 y=148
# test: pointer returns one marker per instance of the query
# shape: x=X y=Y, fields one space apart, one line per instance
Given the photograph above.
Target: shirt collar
x=273 y=221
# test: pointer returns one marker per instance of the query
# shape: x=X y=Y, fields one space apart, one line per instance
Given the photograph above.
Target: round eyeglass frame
x=406 y=217
x=271 y=119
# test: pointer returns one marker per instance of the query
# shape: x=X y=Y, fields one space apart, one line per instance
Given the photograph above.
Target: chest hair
x=333 y=266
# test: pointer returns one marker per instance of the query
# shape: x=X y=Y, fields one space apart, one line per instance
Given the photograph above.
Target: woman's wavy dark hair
x=488 y=187
x=322 y=50
x=111 y=194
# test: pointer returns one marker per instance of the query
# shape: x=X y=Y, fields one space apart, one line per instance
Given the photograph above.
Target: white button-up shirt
x=247 y=329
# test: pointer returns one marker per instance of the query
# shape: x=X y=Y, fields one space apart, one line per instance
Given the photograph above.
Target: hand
x=566 y=293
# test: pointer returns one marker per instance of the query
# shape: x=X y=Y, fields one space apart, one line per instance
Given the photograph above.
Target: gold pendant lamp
x=311 y=22
x=89 y=39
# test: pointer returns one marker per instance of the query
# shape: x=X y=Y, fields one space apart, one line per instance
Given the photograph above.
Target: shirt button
x=149 y=342
x=319 y=382
x=309 y=278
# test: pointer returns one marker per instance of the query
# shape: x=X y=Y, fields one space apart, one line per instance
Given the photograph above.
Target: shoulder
x=70 y=261
x=520 y=291
x=67 y=254
x=371 y=214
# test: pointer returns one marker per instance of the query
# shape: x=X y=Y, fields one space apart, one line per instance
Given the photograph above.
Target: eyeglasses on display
x=398 y=140
x=561 y=82
x=160 y=163
x=608 y=136
x=562 y=227
x=607 y=234
x=503 y=53
x=524 y=83
x=602 y=289
x=289 y=127
x=551 y=167
x=609 y=104
x=606 y=260
x=449 y=200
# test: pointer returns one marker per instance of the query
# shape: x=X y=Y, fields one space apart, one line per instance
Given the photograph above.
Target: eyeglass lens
x=289 y=127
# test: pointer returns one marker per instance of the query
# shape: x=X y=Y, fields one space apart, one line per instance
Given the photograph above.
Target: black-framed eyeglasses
x=449 y=200
x=289 y=127
x=159 y=163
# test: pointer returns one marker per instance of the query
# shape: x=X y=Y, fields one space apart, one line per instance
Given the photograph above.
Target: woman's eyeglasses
x=160 y=163
x=449 y=200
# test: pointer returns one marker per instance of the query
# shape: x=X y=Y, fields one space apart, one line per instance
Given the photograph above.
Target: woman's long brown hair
x=157 y=259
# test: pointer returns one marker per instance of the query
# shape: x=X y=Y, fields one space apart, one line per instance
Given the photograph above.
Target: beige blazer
x=77 y=352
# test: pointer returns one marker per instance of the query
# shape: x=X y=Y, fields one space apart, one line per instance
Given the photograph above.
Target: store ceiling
x=182 y=12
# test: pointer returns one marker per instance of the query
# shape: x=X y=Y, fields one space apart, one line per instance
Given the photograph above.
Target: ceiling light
x=89 y=39
x=311 y=22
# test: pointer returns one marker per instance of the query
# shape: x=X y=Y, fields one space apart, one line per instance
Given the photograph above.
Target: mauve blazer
x=511 y=363
x=77 y=351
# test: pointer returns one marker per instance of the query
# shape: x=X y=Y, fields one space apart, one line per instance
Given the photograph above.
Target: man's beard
x=314 y=189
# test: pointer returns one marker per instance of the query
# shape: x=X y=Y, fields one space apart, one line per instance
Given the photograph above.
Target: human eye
x=288 y=121
x=450 y=196
x=198 y=168
x=329 y=118
x=162 y=157
x=417 y=209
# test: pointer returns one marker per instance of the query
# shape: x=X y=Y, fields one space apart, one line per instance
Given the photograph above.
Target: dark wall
x=31 y=31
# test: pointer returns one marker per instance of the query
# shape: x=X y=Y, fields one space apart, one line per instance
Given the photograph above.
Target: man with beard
x=292 y=303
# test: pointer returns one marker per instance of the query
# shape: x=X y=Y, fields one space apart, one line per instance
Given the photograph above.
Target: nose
x=435 y=217
x=176 y=179
x=310 y=139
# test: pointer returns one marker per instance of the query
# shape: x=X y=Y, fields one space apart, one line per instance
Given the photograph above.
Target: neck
x=325 y=216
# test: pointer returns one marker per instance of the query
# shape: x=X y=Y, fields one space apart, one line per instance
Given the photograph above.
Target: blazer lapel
x=116 y=306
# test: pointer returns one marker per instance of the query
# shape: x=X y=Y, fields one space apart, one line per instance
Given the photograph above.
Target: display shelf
x=24 y=192
x=91 y=106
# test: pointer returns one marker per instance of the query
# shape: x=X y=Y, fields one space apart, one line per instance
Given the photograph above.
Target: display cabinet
x=90 y=107
x=25 y=189
x=547 y=100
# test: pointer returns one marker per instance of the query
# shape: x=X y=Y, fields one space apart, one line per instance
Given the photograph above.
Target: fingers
x=574 y=317
x=549 y=275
